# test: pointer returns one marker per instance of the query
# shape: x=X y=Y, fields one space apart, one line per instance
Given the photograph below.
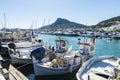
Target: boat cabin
x=60 y=46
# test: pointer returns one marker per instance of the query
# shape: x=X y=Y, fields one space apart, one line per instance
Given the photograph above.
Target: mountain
x=61 y=23
x=112 y=24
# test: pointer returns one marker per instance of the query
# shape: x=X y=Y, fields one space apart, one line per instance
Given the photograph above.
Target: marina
x=59 y=40
x=102 y=47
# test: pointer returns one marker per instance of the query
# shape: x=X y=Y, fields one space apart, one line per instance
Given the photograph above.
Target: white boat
x=116 y=36
x=68 y=62
x=21 y=56
x=19 y=52
x=100 y=68
x=70 y=33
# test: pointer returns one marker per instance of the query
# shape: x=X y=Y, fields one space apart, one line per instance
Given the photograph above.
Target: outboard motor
x=12 y=46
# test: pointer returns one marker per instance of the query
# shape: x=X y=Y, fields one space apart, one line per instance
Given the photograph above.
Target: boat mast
x=4 y=26
x=32 y=28
x=4 y=21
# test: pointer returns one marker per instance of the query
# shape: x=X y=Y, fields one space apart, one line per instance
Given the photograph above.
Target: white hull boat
x=72 y=61
x=20 y=53
x=42 y=70
x=100 y=68
x=46 y=68
x=55 y=63
x=20 y=60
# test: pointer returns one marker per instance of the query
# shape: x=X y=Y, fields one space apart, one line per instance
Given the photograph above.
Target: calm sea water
x=102 y=47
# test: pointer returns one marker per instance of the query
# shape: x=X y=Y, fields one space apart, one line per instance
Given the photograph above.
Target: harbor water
x=102 y=47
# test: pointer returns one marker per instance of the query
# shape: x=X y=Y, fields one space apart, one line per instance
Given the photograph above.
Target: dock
x=10 y=74
x=14 y=74
x=1 y=59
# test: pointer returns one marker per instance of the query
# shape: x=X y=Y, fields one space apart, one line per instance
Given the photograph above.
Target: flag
x=68 y=51
x=93 y=40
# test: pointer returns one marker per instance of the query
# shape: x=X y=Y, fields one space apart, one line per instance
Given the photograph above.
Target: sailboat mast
x=4 y=26
x=4 y=21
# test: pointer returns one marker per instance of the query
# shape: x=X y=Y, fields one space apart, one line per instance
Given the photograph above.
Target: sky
x=36 y=13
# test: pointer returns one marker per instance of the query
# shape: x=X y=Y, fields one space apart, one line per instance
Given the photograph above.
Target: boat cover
x=38 y=53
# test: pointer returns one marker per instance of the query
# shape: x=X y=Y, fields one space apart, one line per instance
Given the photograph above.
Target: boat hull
x=87 y=66
x=40 y=70
x=19 y=60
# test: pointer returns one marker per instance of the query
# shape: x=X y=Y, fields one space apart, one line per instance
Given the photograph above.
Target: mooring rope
x=24 y=65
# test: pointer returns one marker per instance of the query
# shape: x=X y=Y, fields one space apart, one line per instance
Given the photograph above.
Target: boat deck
x=103 y=69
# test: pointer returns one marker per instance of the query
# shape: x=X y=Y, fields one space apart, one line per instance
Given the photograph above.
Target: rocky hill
x=61 y=23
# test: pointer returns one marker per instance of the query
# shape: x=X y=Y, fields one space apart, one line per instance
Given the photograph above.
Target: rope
x=19 y=66
x=24 y=65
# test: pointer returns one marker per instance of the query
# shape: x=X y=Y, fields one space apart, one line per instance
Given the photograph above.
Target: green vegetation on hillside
x=109 y=22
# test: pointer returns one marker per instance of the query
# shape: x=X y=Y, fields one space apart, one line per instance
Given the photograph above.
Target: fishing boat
x=70 y=33
x=100 y=68
x=54 y=64
x=116 y=36
x=21 y=56
x=19 y=52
